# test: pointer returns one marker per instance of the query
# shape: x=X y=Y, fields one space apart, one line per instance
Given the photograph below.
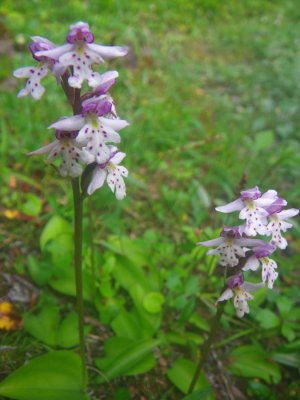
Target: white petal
x=115 y=124
x=118 y=157
x=212 y=242
x=230 y=207
x=97 y=181
x=23 y=72
x=252 y=263
x=247 y=286
x=57 y=52
x=108 y=51
x=45 y=149
x=227 y=294
x=285 y=214
x=108 y=76
x=248 y=242
x=69 y=123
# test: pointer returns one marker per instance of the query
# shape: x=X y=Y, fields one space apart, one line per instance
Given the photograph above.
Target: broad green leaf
x=122 y=394
x=54 y=376
x=128 y=274
x=254 y=362
x=267 y=319
x=126 y=325
x=65 y=283
x=128 y=359
x=43 y=325
x=287 y=331
x=67 y=335
x=201 y=394
x=153 y=302
x=61 y=251
x=181 y=374
x=289 y=359
x=55 y=227
x=284 y=305
x=40 y=271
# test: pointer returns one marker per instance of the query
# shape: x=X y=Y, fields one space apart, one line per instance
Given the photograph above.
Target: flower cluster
x=264 y=215
x=89 y=136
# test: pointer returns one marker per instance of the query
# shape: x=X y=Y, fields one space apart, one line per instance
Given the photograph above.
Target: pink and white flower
x=80 y=53
x=94 y=129
x=72 y=155
x=261 y=256
x=239 y=290
x=230 y=245
x=112 y=173
x=36 y=74
x=252 y=206
x=277 y=217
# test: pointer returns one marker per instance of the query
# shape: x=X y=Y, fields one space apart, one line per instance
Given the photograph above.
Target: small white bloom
x=277 y=224
x=71 y=153
x=112 y=172
x=252 y=207
x=81 y=53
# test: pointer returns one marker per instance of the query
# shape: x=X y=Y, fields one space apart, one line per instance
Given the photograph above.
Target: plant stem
x=78 y=268
x=207 y=345
x=92 y=245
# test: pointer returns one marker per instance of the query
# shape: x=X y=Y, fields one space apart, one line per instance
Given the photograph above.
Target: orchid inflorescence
x=88 y=136
x=264 y=215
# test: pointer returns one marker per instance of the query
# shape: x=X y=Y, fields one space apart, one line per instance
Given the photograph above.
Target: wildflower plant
x=85 y=142
x=247 y=248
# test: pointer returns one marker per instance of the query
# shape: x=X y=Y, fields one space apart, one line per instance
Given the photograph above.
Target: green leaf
x=263 y=140
x=55 y=227
x=267 y=319
x=67 y=335
x=32 y=205
x=65 y=283
x=199 y=322
x=40 y=272
x=43 y=325
x=289 y=359
x=181 y=374
x=153 y=302
x=253 y=362
x=128 y=359
x=126 y=325
x=201 y=394
x=54 y=376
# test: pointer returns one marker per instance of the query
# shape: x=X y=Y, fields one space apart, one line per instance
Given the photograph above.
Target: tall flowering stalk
x=84 y=142
x=264 y=216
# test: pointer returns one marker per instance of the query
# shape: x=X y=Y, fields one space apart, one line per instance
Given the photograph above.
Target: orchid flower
x=230 y=245
x=71 y=154
x=80 y=53
x=261 y=255
x=252 y=206
x=36 y=74
x=277 y=222
x=239 y=290
x=112 y=172
x=94 y=129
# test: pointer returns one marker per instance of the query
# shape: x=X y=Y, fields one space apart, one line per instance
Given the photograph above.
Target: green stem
x=207 y=345
x=92 y=246
x=78 y=269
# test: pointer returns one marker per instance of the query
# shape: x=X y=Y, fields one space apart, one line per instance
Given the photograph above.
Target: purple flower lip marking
x=65 y=135
x=236 y=280
x=40 y=44
x=99 y=108
x=234 y=232
x=264 y=250
x=80 y=32
x=251 y=194
x=277 y=206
